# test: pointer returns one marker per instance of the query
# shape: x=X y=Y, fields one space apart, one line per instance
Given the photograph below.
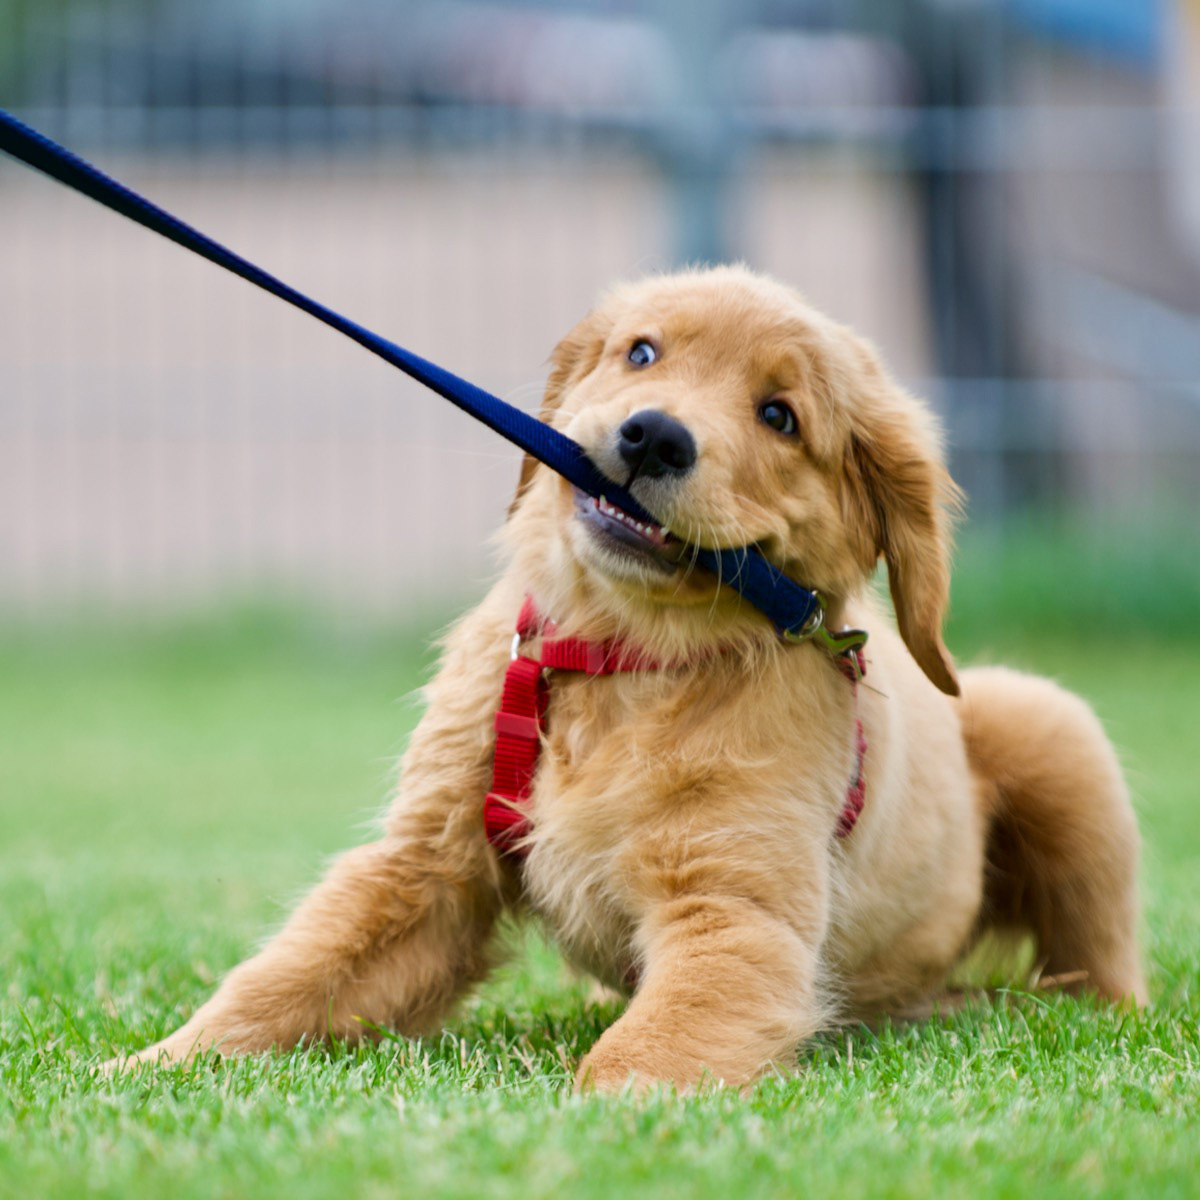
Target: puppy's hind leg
x=390 y=938
x=1063 y=842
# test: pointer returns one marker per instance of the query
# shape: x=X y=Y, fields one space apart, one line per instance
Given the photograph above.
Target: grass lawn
x=165 y=796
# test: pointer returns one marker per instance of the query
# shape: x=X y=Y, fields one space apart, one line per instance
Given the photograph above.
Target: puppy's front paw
x=611 y=1068
x=171 y=1051
x=610 y=1072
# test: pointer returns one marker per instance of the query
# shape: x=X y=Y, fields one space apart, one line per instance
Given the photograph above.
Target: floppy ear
x=573 y=358
x=900 y=500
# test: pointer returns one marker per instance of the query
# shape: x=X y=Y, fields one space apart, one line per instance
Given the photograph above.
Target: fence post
x=692 y=136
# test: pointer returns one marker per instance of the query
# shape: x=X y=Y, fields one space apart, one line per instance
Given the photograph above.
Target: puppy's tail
x=1063 y=842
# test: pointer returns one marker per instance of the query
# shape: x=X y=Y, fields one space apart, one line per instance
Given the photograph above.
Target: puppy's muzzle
x=655 y=446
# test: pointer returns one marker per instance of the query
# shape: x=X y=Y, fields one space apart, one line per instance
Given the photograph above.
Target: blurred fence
x=1006 y=208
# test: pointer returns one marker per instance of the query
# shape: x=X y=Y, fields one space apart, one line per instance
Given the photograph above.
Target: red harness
x=521 y=722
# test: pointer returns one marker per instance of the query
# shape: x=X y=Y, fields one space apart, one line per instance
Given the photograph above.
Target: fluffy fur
x=683 y=819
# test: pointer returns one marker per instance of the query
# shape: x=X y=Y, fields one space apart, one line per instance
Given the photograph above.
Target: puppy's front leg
x=729 y=989
x=399 y=927
x=389 y=938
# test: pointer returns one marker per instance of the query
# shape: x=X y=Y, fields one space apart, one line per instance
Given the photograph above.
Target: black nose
x=655 y=445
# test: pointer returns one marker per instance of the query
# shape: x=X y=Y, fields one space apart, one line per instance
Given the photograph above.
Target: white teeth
x=653 y=532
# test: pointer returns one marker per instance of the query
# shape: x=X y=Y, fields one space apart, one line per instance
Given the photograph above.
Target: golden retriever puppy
x=727 y=826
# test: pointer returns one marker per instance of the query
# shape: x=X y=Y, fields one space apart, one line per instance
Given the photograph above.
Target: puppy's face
x=738 y=415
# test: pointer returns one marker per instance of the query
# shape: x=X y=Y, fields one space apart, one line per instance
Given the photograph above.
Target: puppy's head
x=738 y=415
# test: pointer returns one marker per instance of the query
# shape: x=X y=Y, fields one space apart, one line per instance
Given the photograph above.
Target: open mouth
x=618 y=532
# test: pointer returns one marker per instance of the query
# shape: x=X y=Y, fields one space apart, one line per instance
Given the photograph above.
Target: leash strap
x=791 y=608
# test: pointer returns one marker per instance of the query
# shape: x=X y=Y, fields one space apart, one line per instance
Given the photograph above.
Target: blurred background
x=1003 y=194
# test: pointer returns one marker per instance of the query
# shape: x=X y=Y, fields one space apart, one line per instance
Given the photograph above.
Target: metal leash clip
x=844 y=645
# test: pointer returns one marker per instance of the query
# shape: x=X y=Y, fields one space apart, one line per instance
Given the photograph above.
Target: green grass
x=166 y=794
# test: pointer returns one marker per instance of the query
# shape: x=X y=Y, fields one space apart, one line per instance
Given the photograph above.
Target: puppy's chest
x=643 y=782
x=610 y=757
x=603 y=781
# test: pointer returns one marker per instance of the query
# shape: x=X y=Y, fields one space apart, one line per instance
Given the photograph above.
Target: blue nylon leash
x=795 y=611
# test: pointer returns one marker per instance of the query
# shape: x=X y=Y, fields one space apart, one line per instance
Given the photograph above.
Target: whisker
x=712 y=608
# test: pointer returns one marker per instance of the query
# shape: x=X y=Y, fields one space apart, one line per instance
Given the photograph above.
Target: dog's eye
x=642 y=354
x=777 y=414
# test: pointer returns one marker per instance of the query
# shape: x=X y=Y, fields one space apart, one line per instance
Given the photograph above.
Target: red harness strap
x=853 y=665
x=856 y=793
x=522 y=717
x=521 y=721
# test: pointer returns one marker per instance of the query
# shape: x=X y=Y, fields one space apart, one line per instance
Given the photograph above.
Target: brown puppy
x=684 y=839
